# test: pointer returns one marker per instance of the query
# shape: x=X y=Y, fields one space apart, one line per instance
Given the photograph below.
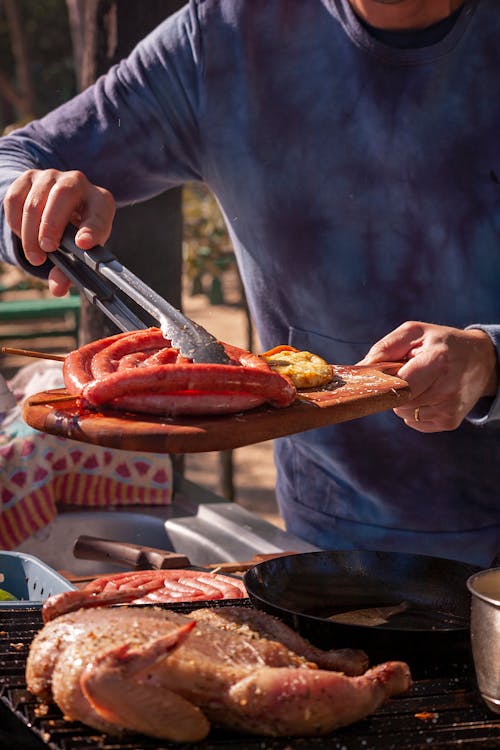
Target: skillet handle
x=125 y=553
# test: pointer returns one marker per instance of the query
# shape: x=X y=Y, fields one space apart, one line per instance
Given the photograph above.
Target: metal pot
x=485 y=634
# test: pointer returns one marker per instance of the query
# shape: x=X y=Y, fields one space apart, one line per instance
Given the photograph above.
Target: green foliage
x=208 y=251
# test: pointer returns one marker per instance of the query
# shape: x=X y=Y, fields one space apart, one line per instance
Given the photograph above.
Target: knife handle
x=134 y=556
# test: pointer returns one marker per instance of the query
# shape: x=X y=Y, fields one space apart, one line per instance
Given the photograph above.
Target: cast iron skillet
x=305 y=589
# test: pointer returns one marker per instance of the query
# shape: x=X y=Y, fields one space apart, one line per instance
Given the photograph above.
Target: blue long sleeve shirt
x=360 y=183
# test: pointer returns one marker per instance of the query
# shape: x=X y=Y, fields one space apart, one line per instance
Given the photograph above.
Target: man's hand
x=41 y=203
x=447 y=369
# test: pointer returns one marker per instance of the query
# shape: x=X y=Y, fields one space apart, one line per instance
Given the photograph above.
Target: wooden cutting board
x=354 y=392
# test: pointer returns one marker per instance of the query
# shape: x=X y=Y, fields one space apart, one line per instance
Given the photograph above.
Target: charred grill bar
x=442 y=711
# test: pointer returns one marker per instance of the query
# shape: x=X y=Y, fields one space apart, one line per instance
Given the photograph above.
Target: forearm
x=134 y=133
x=14 y=161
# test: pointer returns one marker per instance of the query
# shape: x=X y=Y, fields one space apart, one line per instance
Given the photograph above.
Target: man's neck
x=404 y=15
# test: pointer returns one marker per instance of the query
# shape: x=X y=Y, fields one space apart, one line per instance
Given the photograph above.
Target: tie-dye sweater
x=361 y=187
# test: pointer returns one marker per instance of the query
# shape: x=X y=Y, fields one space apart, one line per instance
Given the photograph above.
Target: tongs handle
x=190 y=338
x=91 y=258
x=82 y=270
x=105 y=265
x=101 y=260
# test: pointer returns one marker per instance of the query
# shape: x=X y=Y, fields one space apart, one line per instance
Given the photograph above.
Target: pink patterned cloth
x=40 y=472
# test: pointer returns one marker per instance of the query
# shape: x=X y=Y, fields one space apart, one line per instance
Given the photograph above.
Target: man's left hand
x=448 y=371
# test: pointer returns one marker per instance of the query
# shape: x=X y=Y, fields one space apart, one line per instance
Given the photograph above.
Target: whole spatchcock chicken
x=170 y=676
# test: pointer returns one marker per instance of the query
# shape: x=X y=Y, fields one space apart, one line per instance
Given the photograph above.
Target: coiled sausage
x=141 y=372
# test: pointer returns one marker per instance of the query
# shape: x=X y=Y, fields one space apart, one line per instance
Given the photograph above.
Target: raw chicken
x=253 y=623
x=157 y=672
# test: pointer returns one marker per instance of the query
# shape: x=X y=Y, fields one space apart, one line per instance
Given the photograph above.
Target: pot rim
x=472 y=581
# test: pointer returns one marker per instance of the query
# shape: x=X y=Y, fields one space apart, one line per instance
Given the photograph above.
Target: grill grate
x=442 y=710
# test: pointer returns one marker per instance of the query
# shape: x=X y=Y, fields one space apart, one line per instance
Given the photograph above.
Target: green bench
x=63 y=311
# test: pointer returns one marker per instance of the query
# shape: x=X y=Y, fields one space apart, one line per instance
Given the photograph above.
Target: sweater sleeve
x=134 y=132
x=487 y=410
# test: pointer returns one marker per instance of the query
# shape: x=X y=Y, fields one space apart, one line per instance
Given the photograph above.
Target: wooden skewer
x=31 y=353
x=51 y=399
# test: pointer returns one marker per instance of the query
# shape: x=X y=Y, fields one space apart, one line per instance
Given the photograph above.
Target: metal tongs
x=98 y=274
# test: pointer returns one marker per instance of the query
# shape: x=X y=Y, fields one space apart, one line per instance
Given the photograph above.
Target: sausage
x=195 y=403
x=146 y=359
x=169 y=585
x=164 y=356
x=139 y=371
x=77 y=364
x=106 y=360
x=145 y=587
x=134 y=359
x=116 y=581
x=188 y=377
x=243 y=357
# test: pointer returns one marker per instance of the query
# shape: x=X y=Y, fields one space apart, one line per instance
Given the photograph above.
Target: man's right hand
x=39 y=205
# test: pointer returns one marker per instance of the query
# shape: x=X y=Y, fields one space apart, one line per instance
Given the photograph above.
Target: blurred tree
x=103 y=32
x=49 y=50
x=36 y=61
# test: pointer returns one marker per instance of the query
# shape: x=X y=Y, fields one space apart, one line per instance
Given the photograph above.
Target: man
x=353 y=148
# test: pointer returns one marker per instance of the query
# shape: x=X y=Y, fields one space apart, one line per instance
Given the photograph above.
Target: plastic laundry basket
x=29 y=580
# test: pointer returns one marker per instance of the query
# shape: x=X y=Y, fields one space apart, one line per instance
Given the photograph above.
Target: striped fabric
x=41 y=472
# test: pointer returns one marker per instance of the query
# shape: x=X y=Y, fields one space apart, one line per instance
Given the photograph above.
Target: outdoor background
x=49 y=50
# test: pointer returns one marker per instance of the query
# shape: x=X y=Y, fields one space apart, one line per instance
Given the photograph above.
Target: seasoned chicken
x=255 y=624
x=163 y=674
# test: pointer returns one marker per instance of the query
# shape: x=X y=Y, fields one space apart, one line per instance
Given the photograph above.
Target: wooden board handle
x=390 y=368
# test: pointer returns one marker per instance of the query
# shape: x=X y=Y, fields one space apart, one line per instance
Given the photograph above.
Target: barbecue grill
x=443 y=710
